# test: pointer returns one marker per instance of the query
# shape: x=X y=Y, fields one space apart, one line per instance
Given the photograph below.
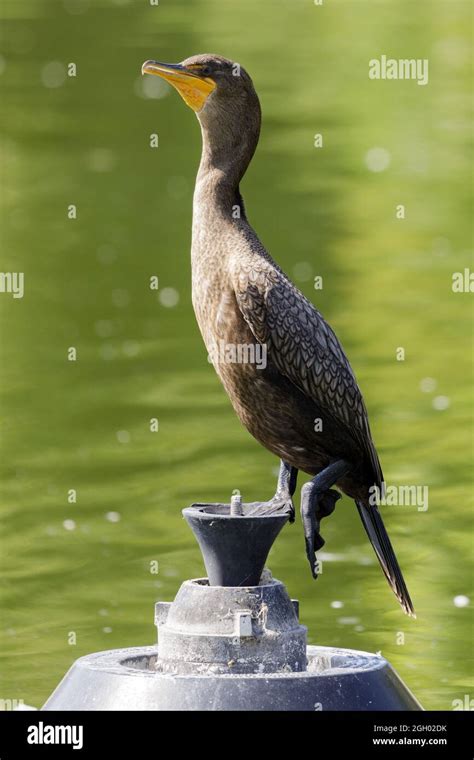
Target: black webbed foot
x=282 y=502
x=315 y=506
x=318 y=500
x=325 y=506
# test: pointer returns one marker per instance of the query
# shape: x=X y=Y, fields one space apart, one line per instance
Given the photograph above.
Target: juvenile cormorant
x=241 y=297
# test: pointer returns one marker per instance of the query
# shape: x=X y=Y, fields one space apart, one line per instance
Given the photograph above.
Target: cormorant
x=242 y=297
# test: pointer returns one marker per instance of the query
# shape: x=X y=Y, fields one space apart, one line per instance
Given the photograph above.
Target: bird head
x=219 y=91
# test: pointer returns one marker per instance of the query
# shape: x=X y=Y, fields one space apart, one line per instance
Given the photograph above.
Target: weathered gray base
x=230 y=629
x=336 y=679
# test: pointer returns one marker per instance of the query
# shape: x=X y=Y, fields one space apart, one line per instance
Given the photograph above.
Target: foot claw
x=285 y=506
x=310 y=553
x=318 y=542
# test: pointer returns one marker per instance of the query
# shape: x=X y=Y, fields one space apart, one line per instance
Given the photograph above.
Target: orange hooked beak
x=193 y=88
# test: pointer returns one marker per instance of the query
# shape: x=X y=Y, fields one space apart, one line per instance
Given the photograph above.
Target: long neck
x=225 y=157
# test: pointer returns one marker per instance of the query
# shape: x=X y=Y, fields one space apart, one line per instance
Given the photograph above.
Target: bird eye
x=205 y=70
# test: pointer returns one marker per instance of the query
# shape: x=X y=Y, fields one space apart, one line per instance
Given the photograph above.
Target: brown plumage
x=242 y=297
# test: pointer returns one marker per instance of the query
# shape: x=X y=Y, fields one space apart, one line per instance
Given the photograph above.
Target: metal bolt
x=236 y=505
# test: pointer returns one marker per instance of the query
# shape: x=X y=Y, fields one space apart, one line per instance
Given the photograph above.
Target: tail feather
x=379 y=539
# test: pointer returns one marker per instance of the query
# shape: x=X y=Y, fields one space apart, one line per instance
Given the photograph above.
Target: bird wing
x=303 y=347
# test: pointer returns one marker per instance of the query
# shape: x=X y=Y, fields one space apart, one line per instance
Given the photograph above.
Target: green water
x=81 y=571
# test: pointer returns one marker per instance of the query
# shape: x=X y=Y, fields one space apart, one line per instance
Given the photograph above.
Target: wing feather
x=304 y=348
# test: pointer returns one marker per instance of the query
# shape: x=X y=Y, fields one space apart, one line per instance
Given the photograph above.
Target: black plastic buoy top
x=234 y=546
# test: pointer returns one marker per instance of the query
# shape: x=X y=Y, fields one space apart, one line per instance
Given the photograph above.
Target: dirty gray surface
x=228 y=629
x=335 y=679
